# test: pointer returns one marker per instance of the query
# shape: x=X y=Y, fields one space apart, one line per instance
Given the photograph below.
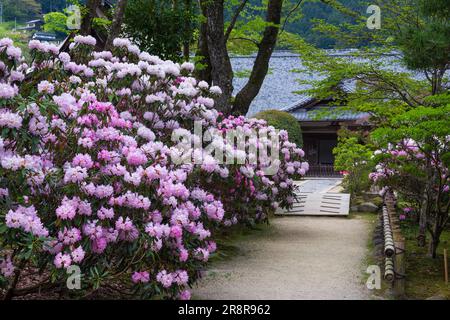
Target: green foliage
x=22 y=10
x=355 y=159
x=440 y=8
x=53 y=5
x=425 y=43
x=56 y=22
x=303 y=21
x=424 y=125
x=101 y=24
x=159 y=26
x=318 y=17
x=414 y=160
x=245 y=73
x=283 y=121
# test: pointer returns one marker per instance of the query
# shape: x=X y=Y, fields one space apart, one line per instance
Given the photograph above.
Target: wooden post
x=445 y=266
x=400 y=268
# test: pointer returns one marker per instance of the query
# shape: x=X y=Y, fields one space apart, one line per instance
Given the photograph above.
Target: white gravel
x=295 y=258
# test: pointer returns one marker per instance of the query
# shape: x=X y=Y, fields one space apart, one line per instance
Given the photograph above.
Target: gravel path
x=319 y=185
x=293 y=258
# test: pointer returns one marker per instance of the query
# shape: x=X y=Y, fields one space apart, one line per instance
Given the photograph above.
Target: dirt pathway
x=294 y=258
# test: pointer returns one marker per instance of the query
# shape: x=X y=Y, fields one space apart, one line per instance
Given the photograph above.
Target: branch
x=117 y=23
x=289 y=14
x=234 y=19
x=256 y=43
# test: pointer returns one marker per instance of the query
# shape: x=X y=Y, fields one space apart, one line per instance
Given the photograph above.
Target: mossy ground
x=425 y=276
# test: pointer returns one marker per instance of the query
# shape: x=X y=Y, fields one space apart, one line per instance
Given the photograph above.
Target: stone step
x=319 y=204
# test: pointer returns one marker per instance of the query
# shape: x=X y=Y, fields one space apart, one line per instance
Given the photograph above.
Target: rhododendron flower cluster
x=88 y=177
x=395 y=158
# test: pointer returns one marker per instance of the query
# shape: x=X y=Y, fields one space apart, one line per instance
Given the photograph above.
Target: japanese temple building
x=320 y=120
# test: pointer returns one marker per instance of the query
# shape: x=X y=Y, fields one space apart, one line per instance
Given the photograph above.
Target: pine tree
x=426 y=43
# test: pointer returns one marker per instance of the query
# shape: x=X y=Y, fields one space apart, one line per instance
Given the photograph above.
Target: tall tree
x=20 y=10
x=53 y=5
x=213 y=49
x=426 y=43
x=91 y=12
x=117 y=22
x=217 y=53
x=261 y=65
x=161 y=27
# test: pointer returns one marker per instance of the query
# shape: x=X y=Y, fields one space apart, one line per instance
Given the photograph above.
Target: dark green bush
x=283 y=121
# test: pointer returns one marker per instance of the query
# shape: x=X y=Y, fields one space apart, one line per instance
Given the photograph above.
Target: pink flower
x=10 y=119
x=214 y=210
x=164 y=278
x=104 y=213
x=46 y=87
x=67 y=104
x=180 y=277
x=185 y=295
x=75 y=174
x=142 y=277
x=62 y=260
x=99 y=245
x=66 y=211
x=176 y=231
x=201 y=254
x=69 y=236
x=78 y=254
x=407 y=210
x=6 y=267
x=7 y=91
x=83 y=160
x=26 y=218
x=212 y=246
x=184 y=254
x=136 y=158
x=87 y=40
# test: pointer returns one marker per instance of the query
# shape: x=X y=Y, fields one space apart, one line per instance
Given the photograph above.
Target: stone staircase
x=318 y=203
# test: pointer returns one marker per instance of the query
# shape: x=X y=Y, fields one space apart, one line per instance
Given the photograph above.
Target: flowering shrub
x=89 y=176
x=353 y=160
x=416 y=164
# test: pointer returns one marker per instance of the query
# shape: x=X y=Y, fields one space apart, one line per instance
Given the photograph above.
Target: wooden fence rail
x=394 y=246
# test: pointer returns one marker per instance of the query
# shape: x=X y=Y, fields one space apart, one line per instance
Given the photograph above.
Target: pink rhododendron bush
x=414 y=161
x=93 y=180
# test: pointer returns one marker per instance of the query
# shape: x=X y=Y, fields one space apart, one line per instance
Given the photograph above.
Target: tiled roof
x=300 y=103
x=347 y=87
x=328 y=114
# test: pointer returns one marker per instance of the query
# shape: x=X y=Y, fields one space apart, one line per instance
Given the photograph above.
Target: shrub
x=354 y=160
x=89 y=175
x=414 y=160
x=283 y=121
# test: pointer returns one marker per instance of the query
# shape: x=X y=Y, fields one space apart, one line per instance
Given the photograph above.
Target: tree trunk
x=261 y=65
x=10 y=292
x=203 y=73
x=86 y=23
x=117 y=23
x=422 y=237
x=435 y=239
x=186 y=44
x=221 y=70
